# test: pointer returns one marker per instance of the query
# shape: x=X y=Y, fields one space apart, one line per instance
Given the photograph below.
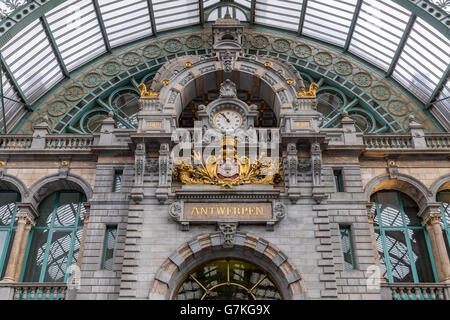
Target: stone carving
x=165 y=170
x=304 y=165
x=176 y=210
x=316 y=164
x=152 y=166
x=137 y=193
x=228 y=89
x=291 y=165
x=227 y=61
x=228 y=231
x=279 y=210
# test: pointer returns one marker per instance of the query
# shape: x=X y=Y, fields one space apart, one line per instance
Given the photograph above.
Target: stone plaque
x=302 y=124
x=268 y=213
x=153 y=124
x=228 y=211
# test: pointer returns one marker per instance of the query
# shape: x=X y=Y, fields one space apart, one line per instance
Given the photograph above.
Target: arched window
x=8 y=224
x=444 y=197
x=55 y=240
x=403 y=244
x=228 y=280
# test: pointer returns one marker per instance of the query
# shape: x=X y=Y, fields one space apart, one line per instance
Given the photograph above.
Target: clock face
x=227 y=120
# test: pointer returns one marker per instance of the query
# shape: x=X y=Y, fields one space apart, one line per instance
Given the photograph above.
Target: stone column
x=26 y=216
x=23 y=248
x=371 y=216
x=431 y=221
x=83 y=237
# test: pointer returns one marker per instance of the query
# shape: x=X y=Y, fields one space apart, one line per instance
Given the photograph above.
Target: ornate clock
x=228 y=120
x=227 y=114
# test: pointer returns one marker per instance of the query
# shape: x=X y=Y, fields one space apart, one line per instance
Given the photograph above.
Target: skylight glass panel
x=175 y=13
x=329 y=20
x=31 y=59
x=74 y=26
x=248 y=3
x=11 y=107
x=378 y=31
x=443 y=102
x=209 y=3
x=281 y=14
x=125 y=20
x=423 y=61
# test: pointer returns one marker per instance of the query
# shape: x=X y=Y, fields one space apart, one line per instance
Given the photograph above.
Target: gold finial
x=145 y=94
x=267 y=64
x=165 y=82
x=64 y=163
x=392 y=163
x=290 y=82
x=188 y=64
x=309 y=94
x=2 y=164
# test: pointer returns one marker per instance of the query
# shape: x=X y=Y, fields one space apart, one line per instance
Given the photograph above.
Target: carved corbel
x=228 y=231
x=176 y=212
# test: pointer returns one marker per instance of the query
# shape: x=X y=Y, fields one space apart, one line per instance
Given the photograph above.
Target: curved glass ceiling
x=385 y=34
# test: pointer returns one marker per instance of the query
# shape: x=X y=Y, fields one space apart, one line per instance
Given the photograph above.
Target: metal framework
x=21 y=17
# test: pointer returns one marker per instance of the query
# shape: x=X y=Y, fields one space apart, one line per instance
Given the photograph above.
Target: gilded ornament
x=228 y=170
x=309 y=94
x=290 y=82
x=144 y=94
x=188 y=64
x=267 y=64
x=165 y=82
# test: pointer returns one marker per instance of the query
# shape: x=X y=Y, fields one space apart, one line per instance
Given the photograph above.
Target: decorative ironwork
x=194 y=42
x=57 y=108
x=260 y=42
x=92 y=80
x=130 y=59
x=398 y=108
x=229 y=279
x=323 y=59
x=303 y=51
x=151 y=51
x=344 y=68
x=173 y=45
x=111 y=68
x=381 y=92
x=362 y=79
x=281 y=45
x=74 y=93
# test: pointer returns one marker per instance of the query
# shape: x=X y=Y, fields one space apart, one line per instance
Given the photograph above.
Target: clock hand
x=223 y=115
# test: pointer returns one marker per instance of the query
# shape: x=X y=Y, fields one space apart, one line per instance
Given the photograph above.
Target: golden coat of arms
x=228 y=170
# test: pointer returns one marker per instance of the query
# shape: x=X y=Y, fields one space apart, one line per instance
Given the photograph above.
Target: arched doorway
x=228 y=279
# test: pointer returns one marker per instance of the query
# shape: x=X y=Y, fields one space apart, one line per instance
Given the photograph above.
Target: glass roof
x=383 y=33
